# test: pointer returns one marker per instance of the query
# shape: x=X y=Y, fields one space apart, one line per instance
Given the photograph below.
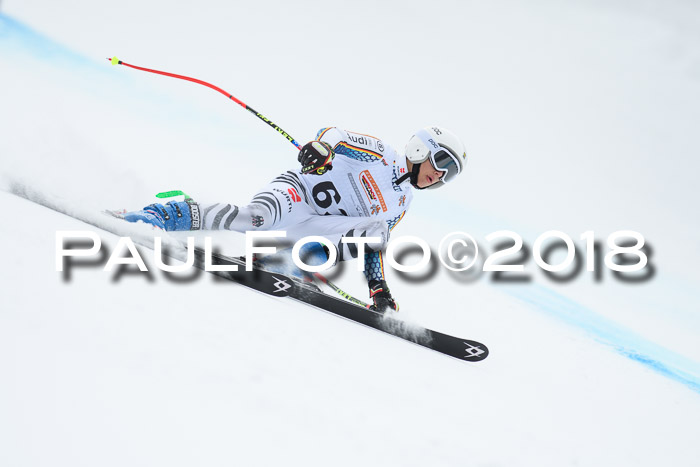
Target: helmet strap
x=412 y=176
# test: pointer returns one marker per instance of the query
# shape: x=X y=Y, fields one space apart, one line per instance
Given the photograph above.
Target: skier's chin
x=425 y=182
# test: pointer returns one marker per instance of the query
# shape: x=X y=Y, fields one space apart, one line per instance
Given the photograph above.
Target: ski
x=280 y=285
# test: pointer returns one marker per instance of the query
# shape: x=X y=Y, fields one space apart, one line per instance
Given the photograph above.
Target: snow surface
x=578 y=116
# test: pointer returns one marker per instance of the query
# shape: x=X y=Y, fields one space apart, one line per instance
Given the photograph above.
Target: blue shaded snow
x=623 y=341
x=21 y=39
x=543 y=299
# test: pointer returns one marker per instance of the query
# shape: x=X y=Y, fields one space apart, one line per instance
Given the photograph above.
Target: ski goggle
x=442 y=159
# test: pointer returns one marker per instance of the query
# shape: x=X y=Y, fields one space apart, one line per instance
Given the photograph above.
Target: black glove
x=379 y=293
x=316 y=157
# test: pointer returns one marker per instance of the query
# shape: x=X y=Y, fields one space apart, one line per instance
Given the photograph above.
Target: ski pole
x=340 y=291
x=116 y=61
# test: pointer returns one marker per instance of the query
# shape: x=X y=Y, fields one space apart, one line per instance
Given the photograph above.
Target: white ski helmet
x=444 y=149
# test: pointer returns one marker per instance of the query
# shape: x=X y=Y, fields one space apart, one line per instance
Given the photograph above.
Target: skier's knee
x=379 y=230
x=257 y=217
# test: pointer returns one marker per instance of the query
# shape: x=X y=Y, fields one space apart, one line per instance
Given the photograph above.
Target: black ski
x=282 y=286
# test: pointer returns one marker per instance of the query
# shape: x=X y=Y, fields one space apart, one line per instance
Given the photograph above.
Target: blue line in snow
x=22 y=38
x=623 y=341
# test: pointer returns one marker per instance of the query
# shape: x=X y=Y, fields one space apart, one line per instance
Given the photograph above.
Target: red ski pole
x=116 y=61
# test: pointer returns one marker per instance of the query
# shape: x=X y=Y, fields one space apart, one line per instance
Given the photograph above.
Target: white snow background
x=577 y=116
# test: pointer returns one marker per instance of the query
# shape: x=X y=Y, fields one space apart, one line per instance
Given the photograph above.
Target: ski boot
x=174 y=215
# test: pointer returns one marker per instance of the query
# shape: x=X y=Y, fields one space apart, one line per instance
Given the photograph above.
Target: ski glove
x=380 y=294
x=316 y=157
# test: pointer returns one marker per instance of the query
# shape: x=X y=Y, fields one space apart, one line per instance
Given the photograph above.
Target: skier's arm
x=374 y=266
x=330 y=135
x=374 y=263
x=374 y=272
x=353 y=145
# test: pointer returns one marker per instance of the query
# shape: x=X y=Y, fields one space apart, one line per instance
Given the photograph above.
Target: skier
x=364 y=193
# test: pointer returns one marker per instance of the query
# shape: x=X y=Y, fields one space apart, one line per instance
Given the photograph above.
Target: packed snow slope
x=578 y=117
